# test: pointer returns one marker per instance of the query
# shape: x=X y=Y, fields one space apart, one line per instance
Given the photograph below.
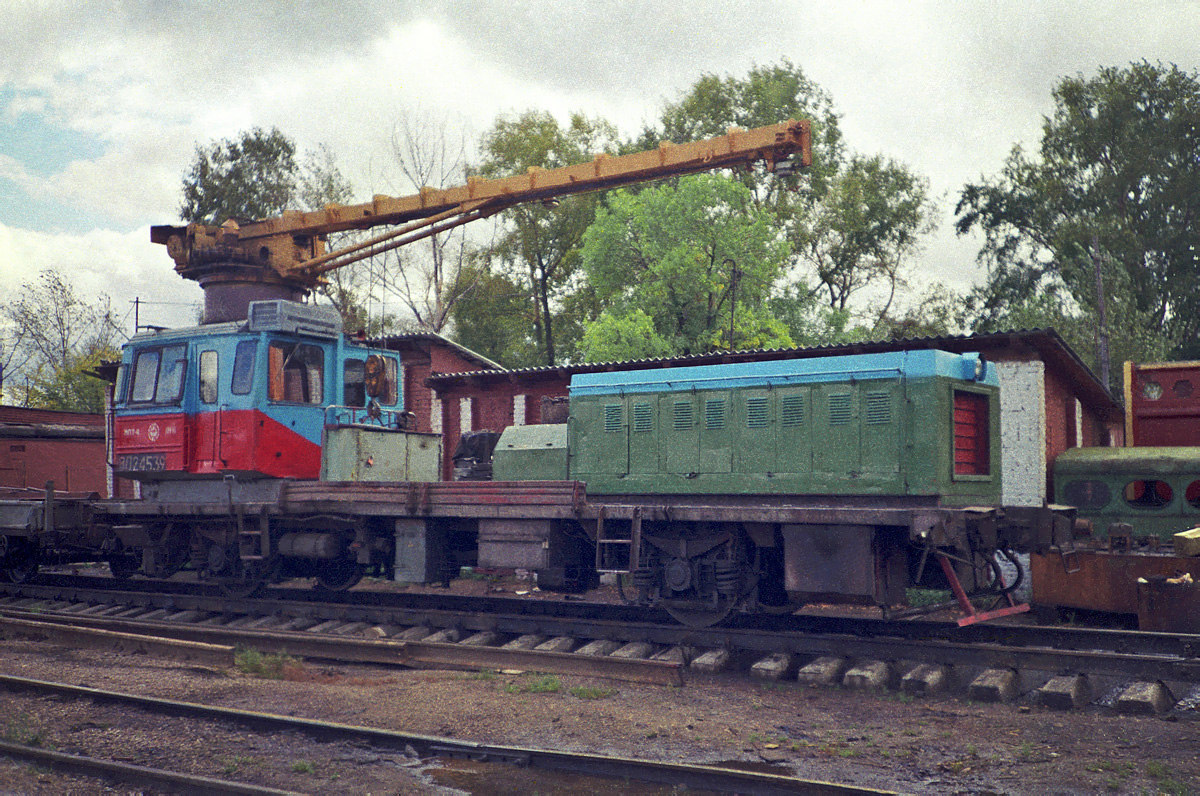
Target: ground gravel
x=924 y=745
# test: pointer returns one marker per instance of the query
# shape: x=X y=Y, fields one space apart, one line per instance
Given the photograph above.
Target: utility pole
x=1102 y=322
x=734 y=273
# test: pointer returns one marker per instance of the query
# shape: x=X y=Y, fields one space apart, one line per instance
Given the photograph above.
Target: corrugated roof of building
x=1046 y=342
x=437 y=339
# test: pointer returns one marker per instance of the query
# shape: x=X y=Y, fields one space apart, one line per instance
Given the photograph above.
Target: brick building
x=1050 y=400
x=425 y=354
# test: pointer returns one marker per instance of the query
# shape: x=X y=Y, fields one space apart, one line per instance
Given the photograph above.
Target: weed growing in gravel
x=919 y=598
x=303 y=767
x=234 y=764
x=483 y=675
x=543 y=684
x=270 y=666
x=20 y=731
x=1165 y=781
x=592 y=693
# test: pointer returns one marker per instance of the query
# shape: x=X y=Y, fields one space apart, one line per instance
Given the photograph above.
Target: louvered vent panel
x=613 y=417
x=714 y=413
x=683 y=415
x=839 y=409
x=792 y=410
x=756 y=412
x=879 y=408
x=643 y=419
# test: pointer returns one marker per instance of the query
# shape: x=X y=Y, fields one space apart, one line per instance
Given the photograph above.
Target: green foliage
x=541 y=684
x=684 y=257
x=540 y=248
x=766 y=95
x=51 y=337
x=251 y=177
x=584 y=692
x=270 y=666
x=856 y=222
x=72 y=387
x=632 y=336
x=1112 y=188
x=869 y=223
x=495 y=317
x=303 y=767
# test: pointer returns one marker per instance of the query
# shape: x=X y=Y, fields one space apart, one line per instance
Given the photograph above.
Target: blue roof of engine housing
x=911 y=364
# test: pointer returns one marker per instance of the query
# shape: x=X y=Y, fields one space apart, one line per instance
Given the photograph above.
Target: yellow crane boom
x=289 y=250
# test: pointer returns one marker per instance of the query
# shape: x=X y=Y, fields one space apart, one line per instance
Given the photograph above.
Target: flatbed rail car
x=407 y=529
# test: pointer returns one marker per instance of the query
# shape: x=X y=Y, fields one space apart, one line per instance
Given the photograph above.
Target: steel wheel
x=339 y=575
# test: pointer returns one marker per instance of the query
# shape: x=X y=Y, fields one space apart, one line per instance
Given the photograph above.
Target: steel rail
x=678 y=774
x=139 y=776
x=1088 y=651
x=206 y=640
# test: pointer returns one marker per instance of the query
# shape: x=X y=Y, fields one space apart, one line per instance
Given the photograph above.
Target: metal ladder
x=254 y=544
x=609 y=548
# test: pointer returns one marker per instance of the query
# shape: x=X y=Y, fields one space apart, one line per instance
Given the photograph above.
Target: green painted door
x=715 y=432
x=836 y=431
x=679 y=448
x=754 y=429
x=882 y=413
x=793 y=430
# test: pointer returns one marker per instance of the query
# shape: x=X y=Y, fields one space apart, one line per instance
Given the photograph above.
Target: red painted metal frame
x=964 y=602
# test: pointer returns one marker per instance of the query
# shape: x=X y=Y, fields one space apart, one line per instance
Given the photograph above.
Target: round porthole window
x=1086 y=494
x=1192 y=494
x=1148 y=493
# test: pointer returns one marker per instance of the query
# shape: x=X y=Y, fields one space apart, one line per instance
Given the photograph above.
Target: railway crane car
x=268 y=445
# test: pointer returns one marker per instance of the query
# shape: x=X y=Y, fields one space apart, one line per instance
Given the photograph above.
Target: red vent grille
x=972 y=453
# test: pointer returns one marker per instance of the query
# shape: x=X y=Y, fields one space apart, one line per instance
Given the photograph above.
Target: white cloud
x=122 y=266
x=945 y=87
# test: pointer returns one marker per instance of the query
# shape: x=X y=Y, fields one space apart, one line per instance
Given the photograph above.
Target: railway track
x=367 y=740
x=1062 y=667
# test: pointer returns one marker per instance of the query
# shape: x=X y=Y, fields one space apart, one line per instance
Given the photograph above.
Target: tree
x=613 y=338
x=429 y=276
x=58 y=336
x=855 y=222
x=495 y=316
x=869 y=223
x=540 y=247
x=251 y=177
x=691 y=258
x=766 y=95
x=1110 y=199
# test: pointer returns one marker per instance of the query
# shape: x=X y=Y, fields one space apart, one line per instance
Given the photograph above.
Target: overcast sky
x=103 y=104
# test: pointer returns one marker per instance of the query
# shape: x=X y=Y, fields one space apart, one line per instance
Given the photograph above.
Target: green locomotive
x=780 y=481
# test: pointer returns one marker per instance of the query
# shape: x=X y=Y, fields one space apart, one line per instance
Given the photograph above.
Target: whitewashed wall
x=1023 y=432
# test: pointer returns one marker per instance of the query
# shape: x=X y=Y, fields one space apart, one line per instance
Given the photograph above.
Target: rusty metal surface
x=132 y=640
x=1167 y=607
x=1105 y=581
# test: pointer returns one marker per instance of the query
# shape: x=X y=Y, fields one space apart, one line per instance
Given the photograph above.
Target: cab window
x=390 y=394
x=296 y=373
x=355 y=390
x=208 y=377
x=158 y=375
x=243 y=367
